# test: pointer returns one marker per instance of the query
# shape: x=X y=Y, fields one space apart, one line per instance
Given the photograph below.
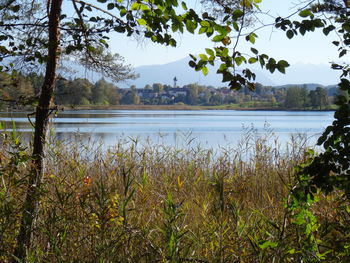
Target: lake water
x=207 y=128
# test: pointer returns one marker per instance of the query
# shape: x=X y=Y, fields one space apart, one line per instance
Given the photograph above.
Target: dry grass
x=162 y=204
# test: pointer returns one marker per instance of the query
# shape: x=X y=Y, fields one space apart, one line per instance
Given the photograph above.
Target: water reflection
x=210 y=129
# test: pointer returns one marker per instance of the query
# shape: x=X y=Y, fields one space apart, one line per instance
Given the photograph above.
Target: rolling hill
x=297 y=74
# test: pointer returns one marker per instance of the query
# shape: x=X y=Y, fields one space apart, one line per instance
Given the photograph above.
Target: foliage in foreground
x=153 y=203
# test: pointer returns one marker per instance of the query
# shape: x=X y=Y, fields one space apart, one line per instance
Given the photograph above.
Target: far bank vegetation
x=23 y=89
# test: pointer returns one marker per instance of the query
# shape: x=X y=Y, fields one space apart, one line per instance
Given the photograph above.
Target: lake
x=207 y=128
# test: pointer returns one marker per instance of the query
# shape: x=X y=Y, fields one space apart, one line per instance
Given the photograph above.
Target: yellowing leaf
x=226 y=41
x=246 y=3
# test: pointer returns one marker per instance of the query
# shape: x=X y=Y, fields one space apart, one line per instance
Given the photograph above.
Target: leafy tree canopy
x=85 y=35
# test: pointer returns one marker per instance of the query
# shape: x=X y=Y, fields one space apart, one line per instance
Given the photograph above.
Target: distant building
x=175 y=80
x=177 y=92
x=146 y=93
x=166 y=98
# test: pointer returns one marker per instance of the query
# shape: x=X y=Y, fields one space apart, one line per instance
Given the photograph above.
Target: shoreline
x=183 y=107
x=168 y=107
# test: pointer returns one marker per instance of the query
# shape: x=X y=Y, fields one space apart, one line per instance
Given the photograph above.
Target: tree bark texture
x=31 y=203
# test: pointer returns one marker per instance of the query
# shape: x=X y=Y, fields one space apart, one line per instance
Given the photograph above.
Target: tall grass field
x=153 y=203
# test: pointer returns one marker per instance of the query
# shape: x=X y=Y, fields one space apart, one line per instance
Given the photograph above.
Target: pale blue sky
x=314 y=48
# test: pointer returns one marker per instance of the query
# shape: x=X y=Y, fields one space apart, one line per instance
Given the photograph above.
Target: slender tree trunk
x=31 y=203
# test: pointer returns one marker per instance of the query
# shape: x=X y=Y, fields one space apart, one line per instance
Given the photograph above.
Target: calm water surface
x=210 y=129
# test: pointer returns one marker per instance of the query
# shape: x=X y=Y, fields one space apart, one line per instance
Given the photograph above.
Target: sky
x=313 y=51
x=314 y=48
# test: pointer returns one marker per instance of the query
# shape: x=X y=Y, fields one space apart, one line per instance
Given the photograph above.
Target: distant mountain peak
x=299 y=73
x=164 y=73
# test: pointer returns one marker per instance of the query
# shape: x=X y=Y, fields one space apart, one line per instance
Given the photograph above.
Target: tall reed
x=154 y=203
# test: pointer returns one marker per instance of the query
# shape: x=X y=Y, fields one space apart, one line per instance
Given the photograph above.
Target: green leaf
x=281 y=69
x=91 y=48
x=318 y=23
x=141 y=22
x=227 y=76
x=328 y=29
x=135 y=6
x=110 y=6
x=205 y=71
x=123 y=12
x=251 y=38
x=302 y=30
x=342 y=53
x=218 y=38
x=144 y=7
x=290 y=34
x=255 y=51
x=192 y=64
x=172 y=43
x=119 y=29
x=205 y=23
x=252 y=60
x=306 y=13
x=203 y=57
x=202 y=30
x=190 y=26
x=235 y=26
x=283 y=63
x=237 y=14
x=224 y=52
x=210 y=52
x=222 y=67
x=209 y=32
x=104 y=42
x=272 y=61
x=239 y=60
x=346 y=27
x=183 y=4
x=174 y=27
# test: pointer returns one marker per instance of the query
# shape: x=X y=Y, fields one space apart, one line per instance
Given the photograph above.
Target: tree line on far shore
x=19 y=90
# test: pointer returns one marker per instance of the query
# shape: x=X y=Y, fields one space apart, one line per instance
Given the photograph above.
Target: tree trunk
x=31 y=203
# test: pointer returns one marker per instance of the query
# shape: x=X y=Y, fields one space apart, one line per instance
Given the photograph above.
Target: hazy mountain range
x=317 y=75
